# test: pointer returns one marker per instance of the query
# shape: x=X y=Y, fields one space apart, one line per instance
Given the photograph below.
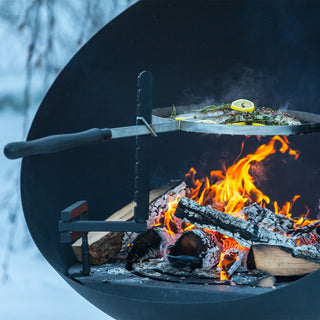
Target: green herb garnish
x=173 y=112
x=213 y=108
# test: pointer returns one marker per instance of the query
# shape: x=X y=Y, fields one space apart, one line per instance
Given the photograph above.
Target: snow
x=33 y=290
x=36 y=291
x=29 y=287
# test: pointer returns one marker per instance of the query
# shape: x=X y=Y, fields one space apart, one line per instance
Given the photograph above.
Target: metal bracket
x=149 y=127
x=78 y=210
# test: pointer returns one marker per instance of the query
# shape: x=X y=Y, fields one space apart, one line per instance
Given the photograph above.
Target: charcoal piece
x=310 y=238
x=181 y=262
x=254 y=279
x=245 y=232
x=196 y=243
x=228 y=260
x=145 y=246
x=169 y=276
x=308 y=235
x=268 y=219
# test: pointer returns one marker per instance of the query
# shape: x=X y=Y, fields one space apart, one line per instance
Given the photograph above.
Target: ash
x=118 y=270
x=162 y=266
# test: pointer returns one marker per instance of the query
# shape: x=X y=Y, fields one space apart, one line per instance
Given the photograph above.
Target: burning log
x=197 y=243
x=104 y=245
x=245 y=232
x=307 y=229
x=267 y=219
x=276 y=261
x=145 y=246
x=158 y=207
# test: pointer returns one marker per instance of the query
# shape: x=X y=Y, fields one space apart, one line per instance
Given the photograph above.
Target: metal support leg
x=143 y=143
x=85 y=255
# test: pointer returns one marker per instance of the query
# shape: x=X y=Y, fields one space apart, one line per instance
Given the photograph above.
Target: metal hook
x=153 y=133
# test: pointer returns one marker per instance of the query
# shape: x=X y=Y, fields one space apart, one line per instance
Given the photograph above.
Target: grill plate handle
x=56 y=143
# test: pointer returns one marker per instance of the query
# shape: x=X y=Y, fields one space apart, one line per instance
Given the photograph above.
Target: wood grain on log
x=104 y=245
x=278 y=262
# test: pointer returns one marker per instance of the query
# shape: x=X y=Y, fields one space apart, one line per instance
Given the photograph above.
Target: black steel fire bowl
x=266 y=51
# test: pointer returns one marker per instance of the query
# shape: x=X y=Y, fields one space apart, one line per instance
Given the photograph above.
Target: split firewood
x=278 y=262
x=245 y=232
x=104 y=245
x=197 y=243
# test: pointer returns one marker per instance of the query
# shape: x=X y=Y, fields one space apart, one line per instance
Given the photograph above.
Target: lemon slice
x=243 y=105
x=181 y=118
x=237 y=123
x=257 y=124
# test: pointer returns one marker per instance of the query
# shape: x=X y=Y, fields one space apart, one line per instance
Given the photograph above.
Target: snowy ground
x=33 y=289
x=29 y=287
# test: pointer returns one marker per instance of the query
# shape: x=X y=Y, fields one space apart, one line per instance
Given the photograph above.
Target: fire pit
x=216 y=230
x=199 y=53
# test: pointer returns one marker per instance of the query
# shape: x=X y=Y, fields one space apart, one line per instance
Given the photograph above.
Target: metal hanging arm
x=60 y=142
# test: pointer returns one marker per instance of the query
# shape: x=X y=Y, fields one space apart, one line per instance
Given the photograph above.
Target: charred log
x=267 y=219
x=200 y=244
x=311 y=238
x=160 y=206
x=145 y=246
x=315 y=226
x=263 y=217
x=245 y=232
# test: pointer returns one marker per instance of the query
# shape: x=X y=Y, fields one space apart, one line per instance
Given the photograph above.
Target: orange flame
x=231 y=189
x=169 y=219
x=286 y=207
x=227 y=244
